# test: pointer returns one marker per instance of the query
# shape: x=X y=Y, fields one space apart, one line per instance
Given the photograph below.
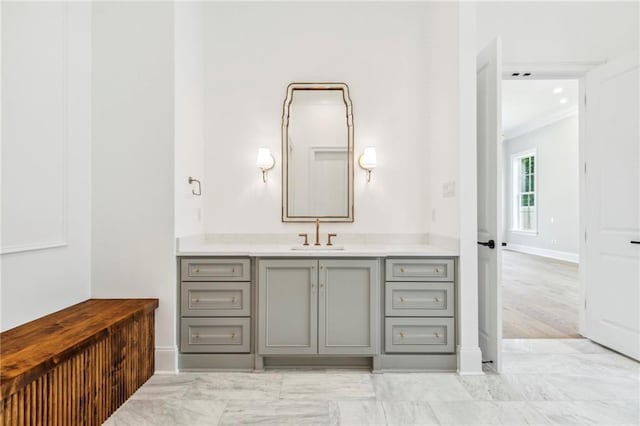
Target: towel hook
x=191 y=181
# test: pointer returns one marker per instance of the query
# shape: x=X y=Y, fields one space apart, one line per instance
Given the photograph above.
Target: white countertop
x=199 y=246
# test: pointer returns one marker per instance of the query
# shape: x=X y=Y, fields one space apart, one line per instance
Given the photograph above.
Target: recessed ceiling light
x=563 y=100
x=557 y=90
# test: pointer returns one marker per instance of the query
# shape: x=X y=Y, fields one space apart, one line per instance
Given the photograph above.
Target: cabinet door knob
x=402 y=334
x=401 y=299
x=401 y=269
x=233 y=335
x=436 y=299
x=197 y=270
x=437 y=335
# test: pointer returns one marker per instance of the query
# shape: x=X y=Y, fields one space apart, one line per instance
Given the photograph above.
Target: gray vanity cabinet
x=348 y=307
x=288 y=307
x=318 y=307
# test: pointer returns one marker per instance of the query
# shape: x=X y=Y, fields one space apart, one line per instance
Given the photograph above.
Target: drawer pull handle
x=214 y=336
x=436 y=335
x=204 y=300
x=437 y=269
x=402 y=300
x=402 y=270
x=197 y=270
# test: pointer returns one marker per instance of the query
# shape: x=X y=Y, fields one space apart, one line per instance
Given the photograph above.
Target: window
x=524 y=192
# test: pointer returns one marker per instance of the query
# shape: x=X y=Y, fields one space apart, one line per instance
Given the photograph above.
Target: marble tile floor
x=555 y=381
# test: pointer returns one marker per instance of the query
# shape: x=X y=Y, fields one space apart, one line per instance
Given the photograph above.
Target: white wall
x=383 y=52
x=133 y=160
x=46 y=151
x=189 y=114
x=556 y=147
x=440 y=160
x=559 y=32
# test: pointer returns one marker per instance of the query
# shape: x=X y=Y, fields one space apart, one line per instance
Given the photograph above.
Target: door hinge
x=585 y=100
x=585 y=167
x=585 y=303
x=585 y=236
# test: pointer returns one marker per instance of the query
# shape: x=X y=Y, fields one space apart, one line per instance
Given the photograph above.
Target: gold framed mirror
x=317 y=153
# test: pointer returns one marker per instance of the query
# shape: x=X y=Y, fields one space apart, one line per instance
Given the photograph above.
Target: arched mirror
x=317 y=153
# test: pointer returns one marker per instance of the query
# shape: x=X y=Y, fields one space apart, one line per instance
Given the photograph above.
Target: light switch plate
x=449 y=189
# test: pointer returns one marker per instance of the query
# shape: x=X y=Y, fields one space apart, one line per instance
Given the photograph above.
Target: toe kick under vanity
x=383 y=308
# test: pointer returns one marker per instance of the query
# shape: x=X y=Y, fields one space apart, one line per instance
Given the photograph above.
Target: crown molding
x=539 y=122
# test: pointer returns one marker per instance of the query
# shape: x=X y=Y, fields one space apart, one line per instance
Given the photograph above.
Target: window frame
x=516 y=192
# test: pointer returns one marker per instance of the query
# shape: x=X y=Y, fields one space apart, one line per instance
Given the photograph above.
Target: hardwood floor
x=539 y=297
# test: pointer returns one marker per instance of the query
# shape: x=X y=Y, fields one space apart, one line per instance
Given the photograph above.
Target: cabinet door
x=348 y=307
x=287 y=307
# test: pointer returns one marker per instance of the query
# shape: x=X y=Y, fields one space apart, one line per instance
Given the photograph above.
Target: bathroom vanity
x=254 y=303
x=385 y=307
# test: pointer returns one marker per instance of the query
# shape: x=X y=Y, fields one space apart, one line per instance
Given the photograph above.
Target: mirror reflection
x=317 y=153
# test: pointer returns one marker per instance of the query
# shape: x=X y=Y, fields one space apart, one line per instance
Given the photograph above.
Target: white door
x=612 y=205
x=489 y=81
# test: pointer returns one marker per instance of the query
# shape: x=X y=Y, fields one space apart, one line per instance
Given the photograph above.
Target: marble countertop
x=200 y=246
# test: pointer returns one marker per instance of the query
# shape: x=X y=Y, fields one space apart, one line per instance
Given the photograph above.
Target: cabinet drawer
x=419 y=269
x=215 y=335
x=419 y=299
x=419 y=335
x=215 y=270
x=221 y=299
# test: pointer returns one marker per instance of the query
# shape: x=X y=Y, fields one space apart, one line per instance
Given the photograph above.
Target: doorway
x=540 y=208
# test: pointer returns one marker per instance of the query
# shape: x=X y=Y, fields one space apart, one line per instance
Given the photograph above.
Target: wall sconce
x=265 y=162
x=367 y=161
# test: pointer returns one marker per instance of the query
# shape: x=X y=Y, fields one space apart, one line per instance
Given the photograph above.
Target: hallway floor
x=540 y=297
x=545 y=381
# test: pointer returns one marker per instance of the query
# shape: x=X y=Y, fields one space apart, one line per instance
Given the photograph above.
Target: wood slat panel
x=85 y=381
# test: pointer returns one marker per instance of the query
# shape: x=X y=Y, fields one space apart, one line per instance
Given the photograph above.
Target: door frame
x=566 y=71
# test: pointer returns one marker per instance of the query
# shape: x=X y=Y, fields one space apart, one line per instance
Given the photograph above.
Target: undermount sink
x=318 y=248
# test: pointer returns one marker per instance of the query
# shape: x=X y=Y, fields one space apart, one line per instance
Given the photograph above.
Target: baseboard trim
x=553 y=254
x=166 y=360
x=406 y=363
x=469 y=361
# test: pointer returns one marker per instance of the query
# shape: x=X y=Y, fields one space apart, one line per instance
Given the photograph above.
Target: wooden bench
x=78 y=365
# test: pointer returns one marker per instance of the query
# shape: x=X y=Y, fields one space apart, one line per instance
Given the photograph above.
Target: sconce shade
x=265 y=160
x=368 y=159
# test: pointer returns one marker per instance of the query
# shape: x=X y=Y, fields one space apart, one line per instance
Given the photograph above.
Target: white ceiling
x=527 y=100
